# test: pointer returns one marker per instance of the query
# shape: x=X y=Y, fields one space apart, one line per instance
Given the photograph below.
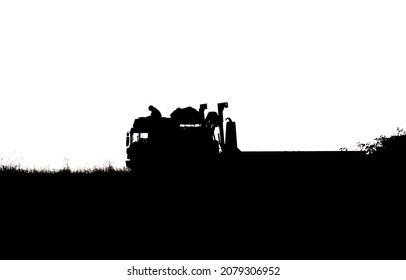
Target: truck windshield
x=140 y=137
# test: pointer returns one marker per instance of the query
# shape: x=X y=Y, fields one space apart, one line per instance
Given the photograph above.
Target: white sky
x=298 y=75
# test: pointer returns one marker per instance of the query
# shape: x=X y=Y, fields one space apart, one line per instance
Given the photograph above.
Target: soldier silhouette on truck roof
x=155 y=114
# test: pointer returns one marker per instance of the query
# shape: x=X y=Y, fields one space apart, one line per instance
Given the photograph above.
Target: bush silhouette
x=386 y=147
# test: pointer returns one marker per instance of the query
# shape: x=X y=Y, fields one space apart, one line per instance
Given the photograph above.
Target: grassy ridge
x=269 y=206
x=271 y=209
x=14 y=168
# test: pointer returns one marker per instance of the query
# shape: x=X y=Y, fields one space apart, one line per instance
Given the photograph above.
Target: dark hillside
x=312 y=205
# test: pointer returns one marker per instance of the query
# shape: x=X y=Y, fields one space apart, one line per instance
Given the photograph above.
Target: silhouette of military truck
x=188 y=137
x=195 y=142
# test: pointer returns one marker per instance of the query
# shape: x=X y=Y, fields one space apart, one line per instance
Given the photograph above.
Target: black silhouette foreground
x=235 y=205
